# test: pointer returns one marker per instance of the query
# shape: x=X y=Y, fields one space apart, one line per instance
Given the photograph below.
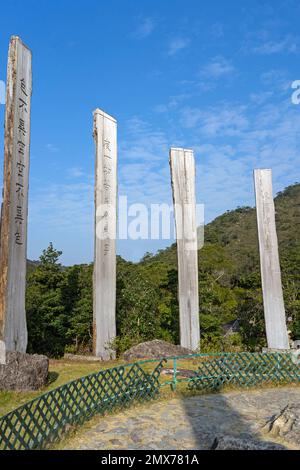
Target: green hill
x=236 y=232
x=229 y=273
x=59 y=302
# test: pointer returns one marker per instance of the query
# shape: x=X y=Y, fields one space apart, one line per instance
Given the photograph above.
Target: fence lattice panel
x=44 y=419
x=246 y=370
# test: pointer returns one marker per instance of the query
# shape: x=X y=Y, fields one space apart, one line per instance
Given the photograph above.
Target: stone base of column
x=275 y=350
x=23 y=372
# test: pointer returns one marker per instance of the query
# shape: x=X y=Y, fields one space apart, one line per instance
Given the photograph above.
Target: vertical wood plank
x=182 y=166
x=13 y=237
x=276 y=330
x=105 y=136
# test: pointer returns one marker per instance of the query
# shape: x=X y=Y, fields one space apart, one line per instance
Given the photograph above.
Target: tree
x=78 y=301
x=46 y=316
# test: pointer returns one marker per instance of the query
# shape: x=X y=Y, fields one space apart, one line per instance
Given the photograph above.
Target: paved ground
x=186 y=423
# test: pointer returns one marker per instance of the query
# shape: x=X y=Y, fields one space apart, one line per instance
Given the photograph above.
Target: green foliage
x=78 y=301
x=218 y=343
x=59 y=300
x=46 y=315
x=252 y=320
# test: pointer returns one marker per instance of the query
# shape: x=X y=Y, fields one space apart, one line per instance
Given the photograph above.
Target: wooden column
x=105 y=136
x=276 y=330
x=182 y=166
x=13 y=237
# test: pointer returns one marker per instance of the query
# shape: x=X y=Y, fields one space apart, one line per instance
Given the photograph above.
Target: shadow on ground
x=183 y=423
x=52 y=377
x=233 y=420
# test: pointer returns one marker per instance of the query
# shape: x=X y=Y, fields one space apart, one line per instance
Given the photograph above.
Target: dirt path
x=185 y=423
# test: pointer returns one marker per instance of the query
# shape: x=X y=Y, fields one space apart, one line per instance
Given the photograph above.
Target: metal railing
x=43 y=420
x=241 y=370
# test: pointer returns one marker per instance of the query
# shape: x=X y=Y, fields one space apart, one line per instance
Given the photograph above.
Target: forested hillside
x=59 y=301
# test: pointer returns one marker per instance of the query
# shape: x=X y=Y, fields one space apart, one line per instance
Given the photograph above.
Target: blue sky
x=212 y=76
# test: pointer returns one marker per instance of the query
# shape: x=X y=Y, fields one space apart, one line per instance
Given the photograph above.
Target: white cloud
x=58 y=206
x=217 y=30
x=264 y=42
x=177 y=44
x=173 y=103
x=224 y=119
x=225 y=170
x=143 y=163
x=145 y=28
x=52 y=148
x=64 y=214
x=276 y=80
x=261 y=97
x=287 y=44
x=218 y=67
x=229 y=140
x=77 y=172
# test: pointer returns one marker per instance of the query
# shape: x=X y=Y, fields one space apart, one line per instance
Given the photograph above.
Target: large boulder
x=23 y=371
x=154 y=349
x=286 y=424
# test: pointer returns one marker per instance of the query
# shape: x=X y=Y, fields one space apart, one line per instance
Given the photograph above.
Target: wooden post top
x=100 y=112
x=18 y=39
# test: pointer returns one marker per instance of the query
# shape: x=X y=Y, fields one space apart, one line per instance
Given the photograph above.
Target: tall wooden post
x=182 y=166
x=276 y=330
x=105 y=136
x=13 y=237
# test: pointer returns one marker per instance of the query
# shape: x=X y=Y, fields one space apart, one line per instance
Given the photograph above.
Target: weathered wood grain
x=182 y=166
x=13 y=237
x=276 y=330
x=105 y=136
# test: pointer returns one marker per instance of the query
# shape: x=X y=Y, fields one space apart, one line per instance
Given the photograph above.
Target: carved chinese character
x=106 y=170
x=21 y=126
x=23 y=87
x=106 y=145
x=21 y=147
x=19 y=190
x=19 y=216
x=18 y=238
x=20 y=167
x=23 y=105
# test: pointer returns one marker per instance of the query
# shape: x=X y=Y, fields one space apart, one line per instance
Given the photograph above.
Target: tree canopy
x=59 y=300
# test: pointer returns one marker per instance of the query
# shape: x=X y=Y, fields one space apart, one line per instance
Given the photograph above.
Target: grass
x=63 y=371
x=60 y=372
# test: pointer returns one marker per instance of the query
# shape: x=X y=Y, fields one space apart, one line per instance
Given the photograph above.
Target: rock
x=154 y=349
x=81 y=357
x=23 y=371
x=235 y=443
x=285 y=424
x=180 y=372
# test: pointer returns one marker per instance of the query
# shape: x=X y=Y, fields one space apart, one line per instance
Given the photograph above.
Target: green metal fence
x=245 y=370
x=217 y=370
x=44 y=419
